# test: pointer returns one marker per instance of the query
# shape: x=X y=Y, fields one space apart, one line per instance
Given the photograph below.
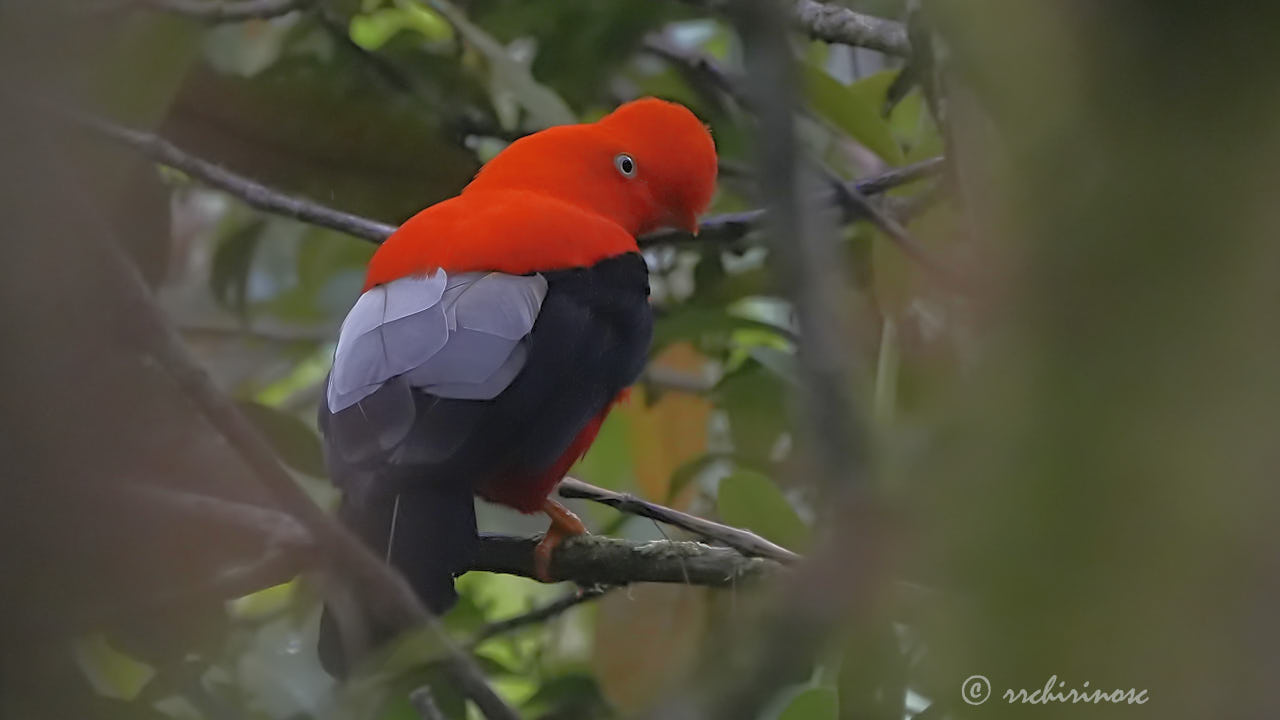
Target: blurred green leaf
x=755 y=400
x=264 y=603
x=245 y=50
x=688 y=472
x=751 y=500
x=915 y=129
x=872 y=678
x=508 y=77
x=855 y=109
x=813 y=704
x=372 y=31
x=697 y=323
x=111 y=672
x=297 y=444
x=609 y=463
x=232 y=261
x=567 y=31
x=572 y=695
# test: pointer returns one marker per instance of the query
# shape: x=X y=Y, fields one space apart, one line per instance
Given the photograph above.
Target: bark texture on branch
x=598 y=560
x=836 y=24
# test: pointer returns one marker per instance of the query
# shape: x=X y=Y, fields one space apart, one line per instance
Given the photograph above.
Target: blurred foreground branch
x=746 y=542
x=380 y=585
x=220 y=11
x=590 y=560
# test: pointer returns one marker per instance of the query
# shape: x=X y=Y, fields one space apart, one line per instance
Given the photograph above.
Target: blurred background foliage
x=382 y=107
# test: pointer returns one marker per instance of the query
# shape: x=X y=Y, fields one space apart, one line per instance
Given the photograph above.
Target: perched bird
x=495 y=332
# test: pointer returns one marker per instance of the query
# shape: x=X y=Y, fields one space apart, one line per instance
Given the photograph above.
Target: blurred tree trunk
x=1106 y=496
x=109 y=468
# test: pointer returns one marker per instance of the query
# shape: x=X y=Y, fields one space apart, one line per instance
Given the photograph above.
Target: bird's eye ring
x=625 y=164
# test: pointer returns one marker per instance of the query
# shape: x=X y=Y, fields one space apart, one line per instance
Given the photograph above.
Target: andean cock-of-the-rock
x=495 y=332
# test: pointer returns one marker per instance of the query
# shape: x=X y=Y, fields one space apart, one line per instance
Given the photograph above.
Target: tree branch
x=590 y=560
x=729 y=228
x=222 y=11
x=540 y=614
x=745 y=542
x=698 y=64
x=836 y=24
x=725 y=229
x=249 y=191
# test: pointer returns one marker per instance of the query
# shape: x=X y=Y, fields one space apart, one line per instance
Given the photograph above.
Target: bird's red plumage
x=511 y=231
x=526 y=491
x=555 y=199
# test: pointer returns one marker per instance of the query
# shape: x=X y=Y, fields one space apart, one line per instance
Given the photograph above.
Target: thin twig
x=729 y=228
x=744 y=541
x=251 y=192
x=697 y=63
x=854 y=204
x=539 y=614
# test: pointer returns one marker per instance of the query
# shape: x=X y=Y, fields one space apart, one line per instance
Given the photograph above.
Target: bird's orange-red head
x=564 y=197
x=646 y=165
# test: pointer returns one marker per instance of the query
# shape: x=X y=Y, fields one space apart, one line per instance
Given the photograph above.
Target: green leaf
x=695 y=323
x=372 y=31
x=297 y=444
x=855 y=109
x=813 y=704
x=111 y=672
x=510 y=79
x=609 y=462
x=229 y=274
x=264 y=603
x=750 y=500
x=756 y=402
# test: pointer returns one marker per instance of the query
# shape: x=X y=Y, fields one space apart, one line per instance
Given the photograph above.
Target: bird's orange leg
x=563 y=524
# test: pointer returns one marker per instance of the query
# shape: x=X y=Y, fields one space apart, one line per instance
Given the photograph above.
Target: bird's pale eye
x=625 y=164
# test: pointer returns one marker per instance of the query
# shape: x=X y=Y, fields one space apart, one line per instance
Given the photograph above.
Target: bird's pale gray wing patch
x=456 y=337
x=501 y=305
x=391 y=329
x=473 y=366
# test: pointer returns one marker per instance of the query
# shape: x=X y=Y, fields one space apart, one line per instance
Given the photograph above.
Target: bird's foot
x=564 y=524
